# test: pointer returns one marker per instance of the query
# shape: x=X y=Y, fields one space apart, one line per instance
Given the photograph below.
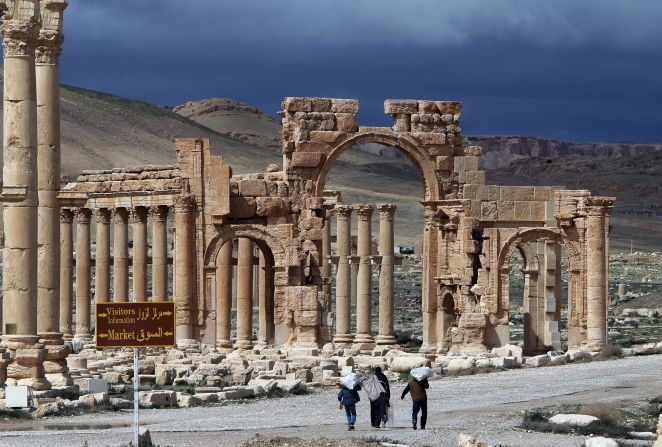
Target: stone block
x=326 y=136
x=313 y=146
x=165 y=374
x=271 y=206
x=240 y=393
x=475 y=177
x=320 y=104
x=344 y=106
x=488 y=210
x=297 y=105
x=307 y=160
x=522 y=211
x=427 y=107
x=242 y=207
x=157 y=399
x=392 y=106
x=94 y=386
x=538 y=360
x=538 y=210
x=444 y=163
x=506 y=210
x=346 y=122
x=404 y=364
x=459 y=367
x=449 y=107
x=252 y=188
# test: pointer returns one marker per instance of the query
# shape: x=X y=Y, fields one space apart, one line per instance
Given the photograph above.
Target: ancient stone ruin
x=198 y=231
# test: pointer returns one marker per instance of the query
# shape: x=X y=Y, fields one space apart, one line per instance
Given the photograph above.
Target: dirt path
x=488 y=406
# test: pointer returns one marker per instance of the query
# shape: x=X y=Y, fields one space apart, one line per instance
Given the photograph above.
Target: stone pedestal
x=83 y=276
x=386 y=334
x=102 y=264
x=139 y=221
x=364 y=339
x=224 y=296
x=245 y=295
x=343 y=335
x=160 y=253
x=66 y=272
x=120 y=255
x=55 y=361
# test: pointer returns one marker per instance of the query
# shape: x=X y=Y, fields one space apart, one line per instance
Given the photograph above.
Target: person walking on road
x=348 y=399
x=420 y=400
x=379 y=407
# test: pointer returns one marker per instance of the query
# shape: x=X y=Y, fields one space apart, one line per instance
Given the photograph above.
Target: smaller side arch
x=257 y=233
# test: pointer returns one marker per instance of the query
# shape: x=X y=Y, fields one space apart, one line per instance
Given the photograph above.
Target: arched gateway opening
x=242 y=268
x=540 y=278
x=366 y=294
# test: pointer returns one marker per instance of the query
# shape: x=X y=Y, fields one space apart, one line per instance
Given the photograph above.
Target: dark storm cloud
x=574 y=70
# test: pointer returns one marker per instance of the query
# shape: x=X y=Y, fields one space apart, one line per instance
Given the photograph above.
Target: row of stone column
x=364 y=339
x=244 y=296
x=120 y=260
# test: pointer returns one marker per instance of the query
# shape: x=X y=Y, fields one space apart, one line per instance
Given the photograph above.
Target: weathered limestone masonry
x=281 y=220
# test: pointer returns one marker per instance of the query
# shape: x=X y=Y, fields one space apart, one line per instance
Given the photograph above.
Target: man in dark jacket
x=379 y=407
x=348 y=399
x=420 y=400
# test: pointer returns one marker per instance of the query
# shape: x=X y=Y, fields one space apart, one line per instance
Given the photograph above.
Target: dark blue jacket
x=349 y=397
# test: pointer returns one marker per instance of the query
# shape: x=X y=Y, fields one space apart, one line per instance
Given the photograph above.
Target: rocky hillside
x=500 y=151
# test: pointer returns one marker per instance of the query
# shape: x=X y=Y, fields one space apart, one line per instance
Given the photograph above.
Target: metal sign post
x=135 y=325
x=136 y=397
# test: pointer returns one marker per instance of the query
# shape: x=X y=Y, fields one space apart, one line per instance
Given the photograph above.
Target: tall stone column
x=343 y=335
x=139 y=221
x=19 y=193
x=83 y=270
x=66 y=272
x=102 y=257
x=325 y=268
x=185 y=265
x=47 y=74
x=386 y=250
x=160 y=253
x=245 y=295
x=120 y=255
x=265 y=301
x=596 y=271
x=224 y=296
x=364 y=339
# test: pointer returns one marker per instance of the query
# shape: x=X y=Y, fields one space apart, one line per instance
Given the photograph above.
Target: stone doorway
x=244 y=291
x=541 y=317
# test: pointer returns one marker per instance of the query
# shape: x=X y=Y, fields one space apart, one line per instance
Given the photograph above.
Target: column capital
x=599 y=206
x=185 y=204
x=83 y=215
x=159 y=213
x=120 y=215
x=103 y=215
x=344 y=211
x=66 y=215
x=364 y=210
x=20 y=27
x=387 y=210
x=139 y=214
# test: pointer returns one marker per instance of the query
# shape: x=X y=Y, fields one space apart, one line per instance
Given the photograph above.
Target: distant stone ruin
x=198 y=231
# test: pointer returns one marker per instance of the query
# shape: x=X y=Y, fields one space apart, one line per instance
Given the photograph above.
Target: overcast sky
x=586 y=70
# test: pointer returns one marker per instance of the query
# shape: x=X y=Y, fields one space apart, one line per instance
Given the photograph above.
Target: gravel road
x=488 y=406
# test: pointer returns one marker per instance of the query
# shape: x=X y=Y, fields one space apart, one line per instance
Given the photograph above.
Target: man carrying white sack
x=417 y=386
